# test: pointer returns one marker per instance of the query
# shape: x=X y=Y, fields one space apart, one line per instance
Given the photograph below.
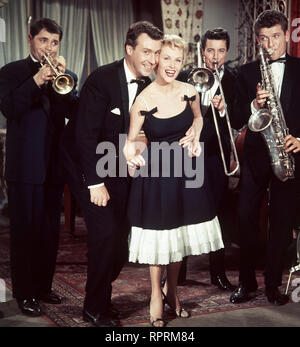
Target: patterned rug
x=131 y=290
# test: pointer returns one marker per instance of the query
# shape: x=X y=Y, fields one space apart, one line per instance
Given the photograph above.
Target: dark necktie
x=280 y=60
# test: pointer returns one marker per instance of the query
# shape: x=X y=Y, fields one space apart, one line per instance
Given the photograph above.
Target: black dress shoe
x=30 y=307
x=242 y=294
x=275 y=297
x=99 y=320
x=223 y=283
x=51 y=298
x=113 y=313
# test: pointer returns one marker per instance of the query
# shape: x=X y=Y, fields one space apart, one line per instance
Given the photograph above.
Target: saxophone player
x=271 y=30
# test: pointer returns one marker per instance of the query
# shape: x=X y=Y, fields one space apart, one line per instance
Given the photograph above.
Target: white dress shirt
x=278 y=72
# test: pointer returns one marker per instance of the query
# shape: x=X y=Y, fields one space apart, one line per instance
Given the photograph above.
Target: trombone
x=203 y=79
x=63 y=83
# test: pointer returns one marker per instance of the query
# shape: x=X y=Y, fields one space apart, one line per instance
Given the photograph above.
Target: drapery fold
x=108 y=19
x=72 y=15
x=15 y=47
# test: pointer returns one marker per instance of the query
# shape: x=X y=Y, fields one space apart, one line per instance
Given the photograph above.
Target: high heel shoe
x=157 y=322
x=179 y=312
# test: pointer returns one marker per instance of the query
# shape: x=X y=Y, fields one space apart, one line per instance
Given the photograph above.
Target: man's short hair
x=268 y=19
x=45 y=23
x=138 y=28
x=215 y=34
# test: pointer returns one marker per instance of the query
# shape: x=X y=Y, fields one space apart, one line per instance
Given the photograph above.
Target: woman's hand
x=194 y=149
x=188 y=138
x=132 y=155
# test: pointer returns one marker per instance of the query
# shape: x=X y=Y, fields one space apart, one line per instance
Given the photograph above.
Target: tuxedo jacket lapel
x=124 y=95
x=287 y=85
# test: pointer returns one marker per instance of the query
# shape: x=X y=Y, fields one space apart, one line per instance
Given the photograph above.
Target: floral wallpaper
x=183 y=17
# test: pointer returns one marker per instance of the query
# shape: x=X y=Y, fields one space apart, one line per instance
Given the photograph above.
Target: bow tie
x=280 y=60
x=138 y=81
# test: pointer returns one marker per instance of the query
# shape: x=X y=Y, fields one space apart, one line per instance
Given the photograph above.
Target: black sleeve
x=93 y=104
x=18 y=94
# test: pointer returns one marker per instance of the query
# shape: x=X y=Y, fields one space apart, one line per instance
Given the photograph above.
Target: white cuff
x=96 y=185
x=253 y=109
x=222 y=114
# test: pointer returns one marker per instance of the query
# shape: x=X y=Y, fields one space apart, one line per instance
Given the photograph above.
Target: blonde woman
x=168 y=220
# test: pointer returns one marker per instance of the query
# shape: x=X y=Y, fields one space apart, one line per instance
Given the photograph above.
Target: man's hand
x=45 y=74
x=99 y=196
x=194 y=149
x=291 y=144
x=218 y=103
x=60 y=63
x=261 y=97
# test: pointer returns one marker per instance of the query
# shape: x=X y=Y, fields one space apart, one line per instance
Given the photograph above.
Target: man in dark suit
x=103 y=115
x=271 y=30
x=214 y=48
x=35 y=116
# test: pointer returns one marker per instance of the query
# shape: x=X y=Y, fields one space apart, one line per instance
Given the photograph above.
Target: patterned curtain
x=183 y=18
x=295 y=28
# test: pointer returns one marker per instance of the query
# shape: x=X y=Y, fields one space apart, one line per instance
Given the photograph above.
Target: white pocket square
x=116 y=111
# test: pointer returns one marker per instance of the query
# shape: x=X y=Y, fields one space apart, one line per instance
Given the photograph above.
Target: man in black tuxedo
x=103 y=115
x=35 y=116
x=214 y=48
x=271 y=30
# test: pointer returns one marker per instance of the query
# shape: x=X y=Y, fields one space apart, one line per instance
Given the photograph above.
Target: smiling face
x=170 y=63
x=214 y=51
x=43 y=42
x=143 y=58
x=274 y=39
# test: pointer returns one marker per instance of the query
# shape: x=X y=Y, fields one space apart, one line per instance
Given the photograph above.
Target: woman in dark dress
x=171 y=216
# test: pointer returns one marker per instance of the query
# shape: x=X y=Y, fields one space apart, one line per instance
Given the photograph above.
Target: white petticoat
x=162 y=247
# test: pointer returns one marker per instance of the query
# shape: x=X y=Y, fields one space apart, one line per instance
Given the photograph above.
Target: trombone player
x=35 y=114
x=215 y=44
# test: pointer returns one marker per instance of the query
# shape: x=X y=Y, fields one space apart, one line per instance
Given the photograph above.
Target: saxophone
x=271 y=123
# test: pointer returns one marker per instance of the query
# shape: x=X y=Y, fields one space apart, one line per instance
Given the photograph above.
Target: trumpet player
x=259 y=85
x=215 y=44
x=35 y=115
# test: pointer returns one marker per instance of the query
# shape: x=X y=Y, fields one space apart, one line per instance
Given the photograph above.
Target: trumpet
x=63 y=83
x=203 y=79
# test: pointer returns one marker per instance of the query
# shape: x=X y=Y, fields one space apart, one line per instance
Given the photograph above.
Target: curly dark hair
x=268 y=19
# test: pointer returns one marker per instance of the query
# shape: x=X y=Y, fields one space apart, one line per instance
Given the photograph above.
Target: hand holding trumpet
x=54 y=70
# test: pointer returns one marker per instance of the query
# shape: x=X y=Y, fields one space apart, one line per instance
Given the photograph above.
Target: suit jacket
x=102 y=115
x=208 y=134
x=35 y=120
x=255 y=150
